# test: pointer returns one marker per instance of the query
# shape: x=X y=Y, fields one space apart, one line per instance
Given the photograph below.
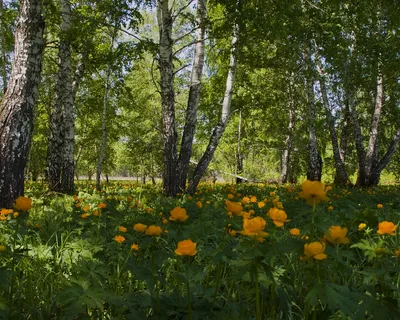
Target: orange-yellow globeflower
x=186 y=248
x=178 y=214
x=386 y=227
x=23 y=203
x=279 y=217
x=314 y=250
x=254 y=228
x=314 y=192
x=337 y=235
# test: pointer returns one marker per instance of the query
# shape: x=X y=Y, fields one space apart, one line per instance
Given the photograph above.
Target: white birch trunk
x=165 y=64
x=194 y=94
x=225 y=112
x=17 y=106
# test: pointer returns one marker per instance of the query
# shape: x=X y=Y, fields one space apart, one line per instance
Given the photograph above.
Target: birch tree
x=18 y=103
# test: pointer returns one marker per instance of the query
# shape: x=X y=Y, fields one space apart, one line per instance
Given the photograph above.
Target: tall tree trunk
x=314 y=170
x=239 y=156
x=358 y=138
x=372 y=151
x=61 y=143
x=341 y=173
x=170 y=152
x=285 y=164
x=225 y=113
x=194 y=95
x=103 y=146
x=18 y=103
x=3 y=49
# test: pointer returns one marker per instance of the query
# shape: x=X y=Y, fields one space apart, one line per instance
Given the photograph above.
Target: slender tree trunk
x=170 y=152
x=3 y=50
x=341 y=173
x=18 y=103
x=103 y=133
x=194 y=95
x=358 y=138
x=225 y=113
x=239 y=157
x=60 y=157
x=314 y=170
x=286 y=155
x=372 y=151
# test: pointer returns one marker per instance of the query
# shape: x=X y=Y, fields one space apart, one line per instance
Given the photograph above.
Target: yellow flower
x=178 y=214
x=379 y=205
x=135 y=247
x=330 y=208
x=362 y=226
x=122 y=229
x=2 y=248
x=149 y=210
x=272 y=194
x=313 y=192
x=386 y=227
x=154 y=231
x=95 y=213
x=15 y=214
x=234 y=207
x=279 y=217
x=102 y=205
x=337 y=235
x=140 y=227
x=294 y=232
x=86 y=208
x=119 y=239
x=186 y=248
x=199 y=204
x=230 y=196
x=245 y=200
x=23 y=203
x=261 y=204
x=84 y=215
x=314 y=250
x=164 y=221
x=253 y=199
x=397 y=253
x=254 y=228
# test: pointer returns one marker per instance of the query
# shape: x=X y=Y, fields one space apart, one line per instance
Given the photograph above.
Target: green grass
x=61 y=259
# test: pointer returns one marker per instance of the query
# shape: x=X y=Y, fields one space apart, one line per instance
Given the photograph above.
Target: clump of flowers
x=254 y=228
x=279 y=217
x=23 y=203
x=186 y=248
x=337 y=235
x=314 y=192
x=386 y=227
x=314 y=250
x=178 y=214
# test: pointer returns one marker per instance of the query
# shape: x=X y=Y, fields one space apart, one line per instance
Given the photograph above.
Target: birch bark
x=18 y=103
x=194 y=94
x=165 y=64
x=225 y=113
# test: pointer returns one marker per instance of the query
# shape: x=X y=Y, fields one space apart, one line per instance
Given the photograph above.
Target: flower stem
x=258 y=309
x=190 y=316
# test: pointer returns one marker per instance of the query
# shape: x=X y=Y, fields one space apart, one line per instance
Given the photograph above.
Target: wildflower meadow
x=246 y=251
